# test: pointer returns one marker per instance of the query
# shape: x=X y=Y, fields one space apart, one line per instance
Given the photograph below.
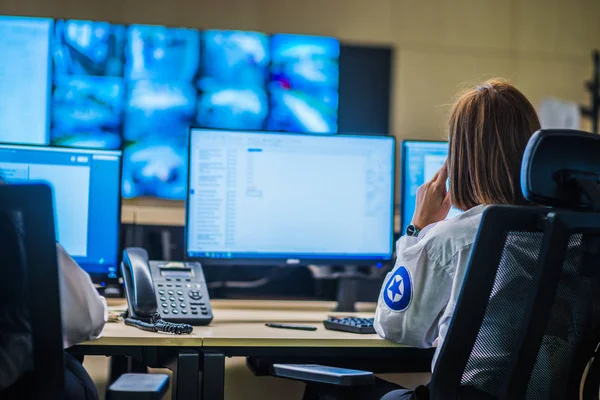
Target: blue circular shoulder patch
x=397 y=293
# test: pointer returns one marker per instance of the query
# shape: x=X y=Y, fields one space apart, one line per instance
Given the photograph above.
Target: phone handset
x=141 y=298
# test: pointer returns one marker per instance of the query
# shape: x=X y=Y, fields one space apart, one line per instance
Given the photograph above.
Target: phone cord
x=157 y=324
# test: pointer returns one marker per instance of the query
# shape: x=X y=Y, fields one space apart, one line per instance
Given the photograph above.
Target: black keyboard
x=350 y=324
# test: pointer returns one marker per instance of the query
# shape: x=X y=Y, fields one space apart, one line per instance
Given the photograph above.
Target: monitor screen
x=233 y=82
x=86 y=199
x=25 y=84
x=88 y=91
x=289 y=198
x=420 y=161
x=304 y=83
x=139 y=88
x=160 y=105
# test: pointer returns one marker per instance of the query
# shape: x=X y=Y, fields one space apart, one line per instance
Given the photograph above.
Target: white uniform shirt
x=83 y=310
x=419 y=295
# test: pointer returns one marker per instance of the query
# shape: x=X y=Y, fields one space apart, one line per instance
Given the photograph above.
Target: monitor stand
x=349 y=279
x=347 y=291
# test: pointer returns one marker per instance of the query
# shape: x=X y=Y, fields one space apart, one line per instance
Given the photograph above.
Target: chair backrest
x=529 y=310
x=30 y=321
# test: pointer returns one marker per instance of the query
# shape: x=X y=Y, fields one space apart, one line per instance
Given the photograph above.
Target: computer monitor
x=289 y=199
x=420 y=161
x=25 y=84
x=86 y=185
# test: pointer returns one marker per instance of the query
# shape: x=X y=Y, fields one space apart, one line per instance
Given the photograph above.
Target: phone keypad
x=177 y=304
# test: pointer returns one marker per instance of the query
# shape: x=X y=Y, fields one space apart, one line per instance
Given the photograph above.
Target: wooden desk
x=242 y=323
x=238 y=330
x=238 y=334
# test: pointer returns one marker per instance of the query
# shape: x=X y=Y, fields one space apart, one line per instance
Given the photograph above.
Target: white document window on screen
x=559 y=114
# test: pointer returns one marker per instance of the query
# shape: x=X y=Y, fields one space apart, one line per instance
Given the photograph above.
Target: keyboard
x=350 y=324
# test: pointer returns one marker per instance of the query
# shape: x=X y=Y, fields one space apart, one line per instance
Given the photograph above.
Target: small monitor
x=420 y=161
x=86 y=186
x=281 y=198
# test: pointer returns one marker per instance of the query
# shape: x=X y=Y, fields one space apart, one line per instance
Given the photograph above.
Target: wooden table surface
x=239 y=323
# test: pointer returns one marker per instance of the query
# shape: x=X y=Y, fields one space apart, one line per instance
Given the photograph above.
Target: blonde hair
x=489 y=128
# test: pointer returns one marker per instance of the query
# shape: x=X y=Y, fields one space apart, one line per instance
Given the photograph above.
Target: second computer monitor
x=281 y=198
x=86 y=190
x=420 y=161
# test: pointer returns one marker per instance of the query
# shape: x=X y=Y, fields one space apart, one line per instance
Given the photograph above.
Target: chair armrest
x=324 y=374
x=139 y=387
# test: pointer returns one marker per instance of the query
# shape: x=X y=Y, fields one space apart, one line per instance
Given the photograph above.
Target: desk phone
x=175 y=290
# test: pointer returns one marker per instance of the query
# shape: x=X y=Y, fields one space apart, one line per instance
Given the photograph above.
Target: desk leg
x=186 y=375
x=119 y=365
x=137 y=366
x=213 y=375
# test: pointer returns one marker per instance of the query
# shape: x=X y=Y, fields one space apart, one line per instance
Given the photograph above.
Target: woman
x=83 y=313
x=488 y=130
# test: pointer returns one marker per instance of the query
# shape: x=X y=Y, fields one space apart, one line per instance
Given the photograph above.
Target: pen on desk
x=296 y=327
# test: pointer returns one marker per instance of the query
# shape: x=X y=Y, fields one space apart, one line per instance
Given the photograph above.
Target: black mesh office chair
x=32 y=362
x=527 y=320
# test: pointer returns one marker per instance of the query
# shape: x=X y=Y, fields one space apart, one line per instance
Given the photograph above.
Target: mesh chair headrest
x=561 y=168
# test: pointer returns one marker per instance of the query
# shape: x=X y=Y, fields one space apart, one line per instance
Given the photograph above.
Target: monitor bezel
x=403 y=176
x=304 y=261
x=97 y=278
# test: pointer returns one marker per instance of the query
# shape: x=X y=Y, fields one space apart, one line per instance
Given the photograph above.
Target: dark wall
x=365 y=88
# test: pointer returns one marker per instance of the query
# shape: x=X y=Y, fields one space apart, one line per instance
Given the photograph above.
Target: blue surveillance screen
x=139 y=88
x=87 y=111
x=88 y=91
x=304 y=83
x=420 y=161
x=161 y=70
x=158 y=117
x=289 y=198
x=162 y=54
x=235 y=71
x=88 y=48
x=236 y=58
x=86 y=199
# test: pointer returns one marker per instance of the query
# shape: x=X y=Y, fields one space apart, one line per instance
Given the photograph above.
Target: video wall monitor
x=88 y=90
x=233 y=82
x=284 y=198
x=87 y=201
x=160 y=105
x=304 y=83
x=25 y=79
x=420 y=161
x=139 y=89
